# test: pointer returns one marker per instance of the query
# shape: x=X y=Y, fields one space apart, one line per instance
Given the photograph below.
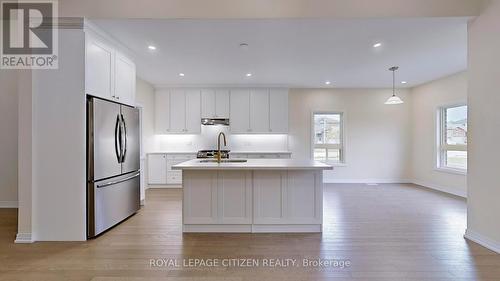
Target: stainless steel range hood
x=215 y=121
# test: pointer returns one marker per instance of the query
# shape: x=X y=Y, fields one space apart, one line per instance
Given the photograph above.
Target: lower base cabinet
x=252 y=201
x=160 y=168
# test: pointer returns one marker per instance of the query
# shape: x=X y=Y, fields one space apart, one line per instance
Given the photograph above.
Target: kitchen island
x=254 y=195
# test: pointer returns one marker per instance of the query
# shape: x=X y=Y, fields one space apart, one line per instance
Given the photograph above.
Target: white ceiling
x=294 y=53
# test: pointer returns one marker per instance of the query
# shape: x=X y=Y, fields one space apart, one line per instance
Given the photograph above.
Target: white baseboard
x=482 y=240
x=444 y=189
x=326 y=180
x=24 y=238
x=8 y=204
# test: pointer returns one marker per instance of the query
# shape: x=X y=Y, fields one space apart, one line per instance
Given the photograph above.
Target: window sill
x=451 y=171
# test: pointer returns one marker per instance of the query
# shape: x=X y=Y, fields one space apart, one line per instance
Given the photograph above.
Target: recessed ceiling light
x=151 y=47
x=376 y=45
x=403 y=82
x=249 y=75
x=244 y=46
x=328 y=82
x=181 y=74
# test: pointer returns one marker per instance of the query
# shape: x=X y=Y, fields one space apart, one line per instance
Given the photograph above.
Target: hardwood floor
x=387 y=232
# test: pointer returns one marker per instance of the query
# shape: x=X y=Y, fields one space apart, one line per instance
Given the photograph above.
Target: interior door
x=131 y=147
x=105 y=124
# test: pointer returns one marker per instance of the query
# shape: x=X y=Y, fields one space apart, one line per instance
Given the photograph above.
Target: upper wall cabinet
x=259 y=111
x=125 y=79
x=215 y=103
x=178 y=111
x=239 y=116
x=109 y=74
x=278 y=111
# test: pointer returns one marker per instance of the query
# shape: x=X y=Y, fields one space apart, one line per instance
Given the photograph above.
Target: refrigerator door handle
x=124 y=153
x=118 y=181
x=117 y=140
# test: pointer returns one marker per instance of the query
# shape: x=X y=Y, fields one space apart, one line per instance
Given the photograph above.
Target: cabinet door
x=193 y=112
x=200 y=197
x=259 y=111
x=157 y=169
x=269 y=192
x=124 y=79
x=99 y=70
x=208 y=103
x=234 y=197
x=177 y=111
x=162 y=112
x=278 y=111
x=304 y=195
x=240 y=111
x=222 y=103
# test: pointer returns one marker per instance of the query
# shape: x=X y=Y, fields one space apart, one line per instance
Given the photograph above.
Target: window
x=328 y=137
x=453 y=138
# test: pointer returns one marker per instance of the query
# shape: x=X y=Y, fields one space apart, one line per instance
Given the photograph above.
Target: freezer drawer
x=114 y=200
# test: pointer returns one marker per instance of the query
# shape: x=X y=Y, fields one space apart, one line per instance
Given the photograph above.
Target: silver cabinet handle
x=118 y=181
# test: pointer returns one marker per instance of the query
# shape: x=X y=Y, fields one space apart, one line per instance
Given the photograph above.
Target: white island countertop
x=254 y=164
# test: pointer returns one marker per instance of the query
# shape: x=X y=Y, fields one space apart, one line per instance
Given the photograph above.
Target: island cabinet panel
x=287 y=197
x=304 y=195
x=234 y=197
x=269 y=191
x=200 y=202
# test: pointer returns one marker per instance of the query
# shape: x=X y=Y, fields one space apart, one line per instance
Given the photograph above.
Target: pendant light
x=394 y=99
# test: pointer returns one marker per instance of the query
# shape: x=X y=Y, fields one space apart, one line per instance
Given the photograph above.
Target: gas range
x=212 y=153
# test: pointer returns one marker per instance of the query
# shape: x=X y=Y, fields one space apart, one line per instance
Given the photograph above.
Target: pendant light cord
x=394 y=83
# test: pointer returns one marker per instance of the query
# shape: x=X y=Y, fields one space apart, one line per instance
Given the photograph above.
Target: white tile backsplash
x=208 y=140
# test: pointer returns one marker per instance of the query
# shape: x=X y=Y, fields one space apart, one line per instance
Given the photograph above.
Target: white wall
x=426 y=99
x=145 y=98
x=377 y=136
x=8 y=138
x=484 y=121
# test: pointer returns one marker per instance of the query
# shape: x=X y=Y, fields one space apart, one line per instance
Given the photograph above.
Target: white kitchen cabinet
x=109 y=74
x=234 y=197
x=215 y=103
x=124 y=79
x=193 y=112
x=200 y=199
x=162 y=112
x=222 y=103
x=99 y=68
x=278 y=111
x=259 y=110
x=174 y=177
x=287 y=197
x=208 y=103
x=157 y=169
x=223 y=197
x=177 y=111
x=240 y=111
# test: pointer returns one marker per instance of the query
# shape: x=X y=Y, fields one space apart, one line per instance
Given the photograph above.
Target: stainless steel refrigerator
x=113 y=164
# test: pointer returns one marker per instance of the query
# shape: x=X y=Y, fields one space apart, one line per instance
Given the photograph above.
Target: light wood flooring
x=387 y=232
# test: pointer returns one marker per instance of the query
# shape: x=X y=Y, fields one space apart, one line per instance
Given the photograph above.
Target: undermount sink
x=224 y=161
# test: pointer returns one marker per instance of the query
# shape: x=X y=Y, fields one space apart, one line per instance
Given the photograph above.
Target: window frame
x=341 y=147
x=442 y=146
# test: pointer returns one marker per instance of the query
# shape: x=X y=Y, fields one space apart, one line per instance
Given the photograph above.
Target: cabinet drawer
x=174 y=177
